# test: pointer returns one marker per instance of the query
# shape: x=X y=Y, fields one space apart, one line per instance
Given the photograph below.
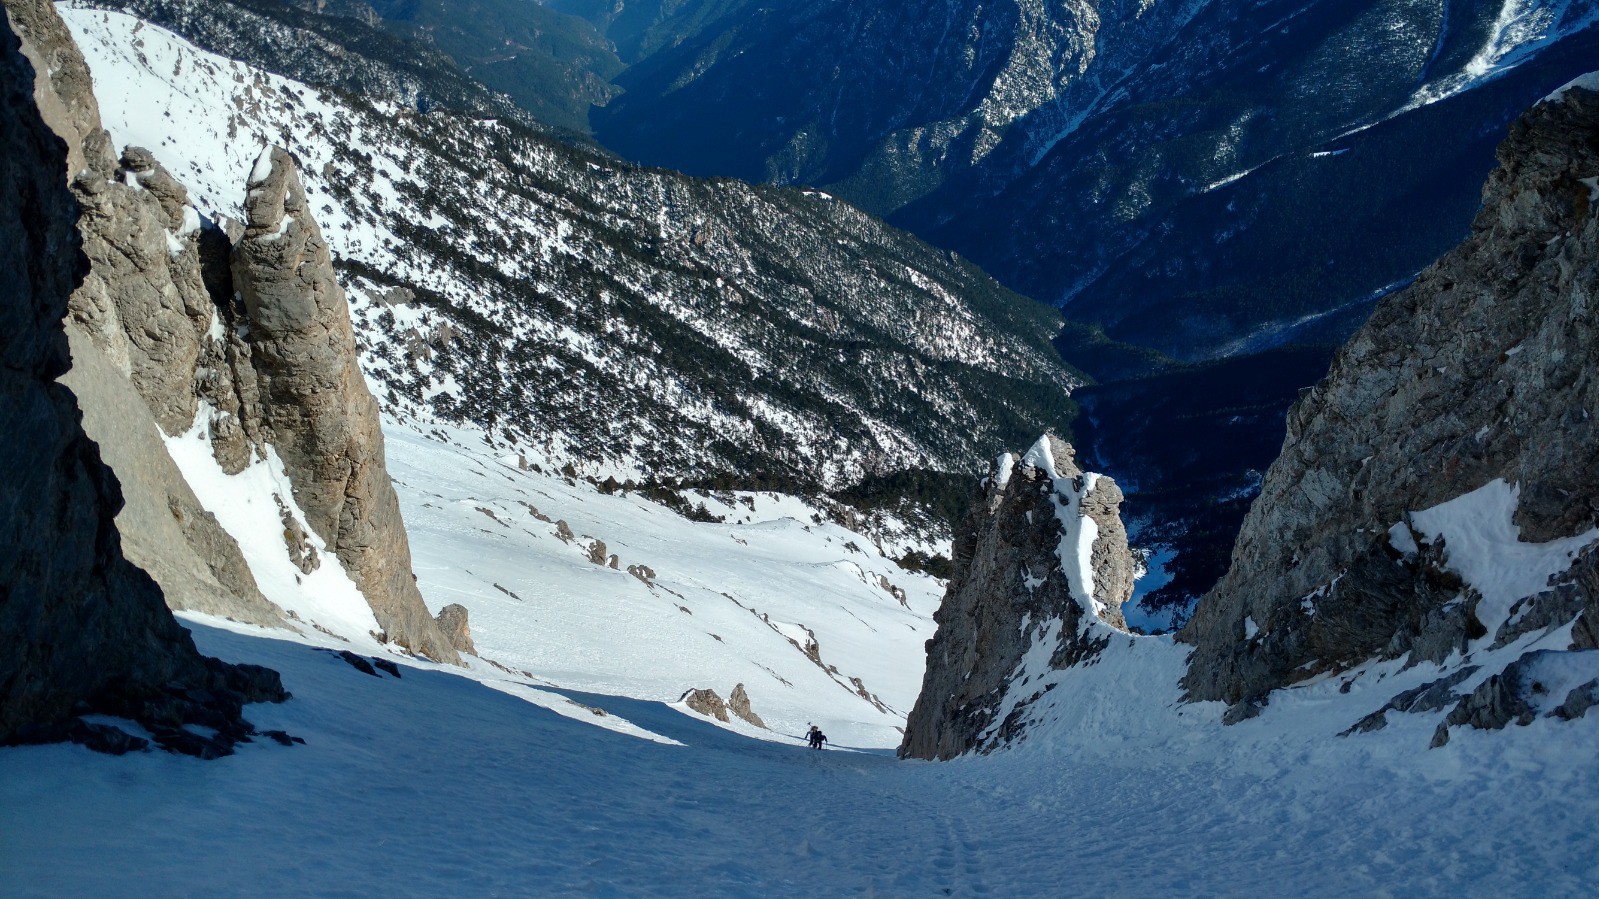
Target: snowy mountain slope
x=625 y=319
x=433 y=784
x=573 y=588
x=815 y=621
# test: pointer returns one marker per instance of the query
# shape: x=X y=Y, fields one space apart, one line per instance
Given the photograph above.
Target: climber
x=816 y=737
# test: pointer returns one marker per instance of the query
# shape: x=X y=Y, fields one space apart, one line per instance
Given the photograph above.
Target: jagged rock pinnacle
x=1041 y=556
x=314 y=403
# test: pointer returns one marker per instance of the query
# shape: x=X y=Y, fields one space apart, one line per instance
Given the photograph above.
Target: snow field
x=728 y=603
x=433 y=784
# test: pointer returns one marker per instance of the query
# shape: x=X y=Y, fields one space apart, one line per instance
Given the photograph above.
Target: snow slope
x=433 y=785
x=724 y=603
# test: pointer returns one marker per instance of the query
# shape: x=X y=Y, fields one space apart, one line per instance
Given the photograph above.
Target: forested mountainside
x=1198 y=177
x=633 y=320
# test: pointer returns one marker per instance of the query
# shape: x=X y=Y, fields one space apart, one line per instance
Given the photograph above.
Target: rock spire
x=1042 y=570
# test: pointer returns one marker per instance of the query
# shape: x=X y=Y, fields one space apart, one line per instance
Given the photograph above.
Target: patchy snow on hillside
x=640 y=319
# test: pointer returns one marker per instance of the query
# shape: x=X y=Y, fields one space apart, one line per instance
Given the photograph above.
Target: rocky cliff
x=314 y=405
x=86 y=630
x=159 y=337
x=137 y=326
x=1435 y=489
x=1042 y=571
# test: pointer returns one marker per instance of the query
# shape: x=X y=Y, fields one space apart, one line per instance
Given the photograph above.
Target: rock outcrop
x=1479 y=373
x=1042 y=569
x=706 y=702
x=315 y=408
x=452 y=621
x=739 y=704
x=86 y=631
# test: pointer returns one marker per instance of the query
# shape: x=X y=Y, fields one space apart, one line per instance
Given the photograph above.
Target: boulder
x=706 y=703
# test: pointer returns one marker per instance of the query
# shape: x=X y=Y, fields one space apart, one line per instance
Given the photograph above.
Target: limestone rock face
x=85 y=629
x=144 y=300
x=452 y=621
x=1042 y=569
x=64 y=99
x=164 y=528
x=137 y=326
x=314 y=404
x=1481 y=370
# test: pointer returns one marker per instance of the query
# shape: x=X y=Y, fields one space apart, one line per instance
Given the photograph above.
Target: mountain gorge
x=1202 y=188
x=1091 y=155
x=1427 y=532
x=434 y=473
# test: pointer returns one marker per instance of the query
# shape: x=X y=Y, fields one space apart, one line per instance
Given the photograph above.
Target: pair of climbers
x=816 y=738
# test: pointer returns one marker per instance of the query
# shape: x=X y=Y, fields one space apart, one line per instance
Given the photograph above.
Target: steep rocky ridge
x=1435 y=489
x=273 y=377
x=634 y=321
x=314 y=405
x=1042 y=569
x=87 y=631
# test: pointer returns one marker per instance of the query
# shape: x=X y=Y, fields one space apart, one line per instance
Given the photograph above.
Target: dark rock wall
x=86 y=630
x=1483 y=369
x=137 y=324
